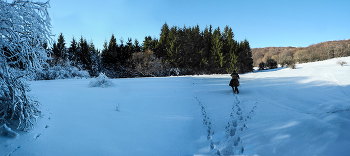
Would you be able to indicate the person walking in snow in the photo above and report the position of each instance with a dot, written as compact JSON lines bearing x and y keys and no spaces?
{"x":234,"y":83}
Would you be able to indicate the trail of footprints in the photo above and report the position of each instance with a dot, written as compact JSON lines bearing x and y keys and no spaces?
{"x":236,"y":124}
{"x":206,"y":121}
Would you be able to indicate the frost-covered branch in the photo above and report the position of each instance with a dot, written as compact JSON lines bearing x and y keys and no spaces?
{"x":15,"y":104}
{"x":24,"y":29}
{"x":101,"y":81}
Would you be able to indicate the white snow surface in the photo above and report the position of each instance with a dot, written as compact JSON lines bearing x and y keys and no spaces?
{"x":303,"y":111}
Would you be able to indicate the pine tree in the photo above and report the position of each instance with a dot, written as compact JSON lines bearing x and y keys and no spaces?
{"x":229,"y":47}
{"x":104,"y":56}
{"x":248,"y":62}
{"x":84,"y":55}
{"x":160,"y":51}
{"x":61,"y":47}
{"x":172,"y":47}
{"x":121,"y":52}
{"x":197,"y":48}
{"x":136,"y":46}
{"x":72,"y":52}
{"x":94,"y":59}
{"x":128,"y":50}
{"x":147,"y":43}
{"x":184,"y":49}
{"x":244,"y":61}
{"x":216,"y":50}
{"x":205,"y":52}
{"x":109,"y":53}
{"x":55,"y":50}
{"x":240,"y":57}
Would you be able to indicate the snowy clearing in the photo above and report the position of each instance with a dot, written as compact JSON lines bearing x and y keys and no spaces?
{"x":303,"y":111}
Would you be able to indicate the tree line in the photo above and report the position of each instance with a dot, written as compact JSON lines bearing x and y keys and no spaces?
{"x":290,"y":55}
{"x":178,"y":51}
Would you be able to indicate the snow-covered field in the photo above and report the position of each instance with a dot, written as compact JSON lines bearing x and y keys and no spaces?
{"x":303,"y":111}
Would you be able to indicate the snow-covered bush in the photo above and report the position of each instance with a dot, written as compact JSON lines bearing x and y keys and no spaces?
{"x":101,"y":81}
{"x":60,"y":72}
{"x":174,"y":72}
{"x":16,"y":107}
{"x":341,"y":62}
{"x":24,"y":28}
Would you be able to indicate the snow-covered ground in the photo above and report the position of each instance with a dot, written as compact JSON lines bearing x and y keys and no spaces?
{"x":303,"y":111}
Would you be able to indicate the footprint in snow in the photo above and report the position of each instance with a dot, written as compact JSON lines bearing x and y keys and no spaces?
{"x":37,"y":136}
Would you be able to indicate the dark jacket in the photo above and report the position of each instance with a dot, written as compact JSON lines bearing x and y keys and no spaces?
{"x":234,"y":81}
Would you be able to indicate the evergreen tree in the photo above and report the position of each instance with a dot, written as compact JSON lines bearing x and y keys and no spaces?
{"x":216,"y":50}
{"x":55,"y":50}
{"x":136,"y":45}
{"x":94,"y":59}
{"x":248,"y":59}
{"x":240,"y":57}
{"x":84,"y":55}
{"x":104,"y":56}
{"x":172,"y":47}
{"x":197,"y":48}
{"x":205,"y":52}
{"x":229,"y":47}
{"x":147,"y":43}
{"x":128,"y":50}
{"x":160,"y":51}
{"x":184,"y":49}
{"x":72,"y":52}
{"x":110,"y":58}
{"x":244,"y":61}
{"x":61,"y":47}
{"x":121,"y":52}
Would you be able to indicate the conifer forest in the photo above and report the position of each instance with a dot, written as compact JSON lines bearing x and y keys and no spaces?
{"x":177,"y":51}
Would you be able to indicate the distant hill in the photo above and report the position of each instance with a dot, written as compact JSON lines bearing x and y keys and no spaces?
{"x":314,"y":52}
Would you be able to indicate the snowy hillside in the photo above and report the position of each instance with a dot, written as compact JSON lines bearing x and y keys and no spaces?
{"x":303,"y":111}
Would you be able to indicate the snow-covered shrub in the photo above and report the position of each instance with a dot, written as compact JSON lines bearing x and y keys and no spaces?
{"x":341,"y":62}
{"x":60,"y":72}
{"x":101,"y":81}
{"x":174,"y":72}
{"x":24,"y":28}
{"x":15,"y":104}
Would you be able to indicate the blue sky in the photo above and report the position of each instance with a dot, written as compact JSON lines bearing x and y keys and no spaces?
{"x":263,"y":23}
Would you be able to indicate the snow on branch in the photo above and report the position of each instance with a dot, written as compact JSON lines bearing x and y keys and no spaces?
{"x":24,"y":30}
{"x":15,"y":104}
{"x":101,"y":81}
{"x":25,"y":27}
